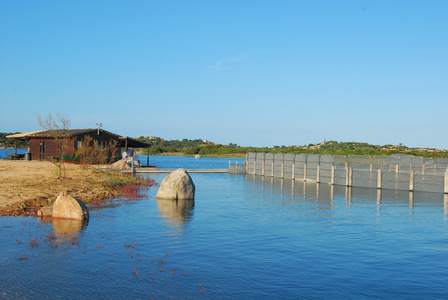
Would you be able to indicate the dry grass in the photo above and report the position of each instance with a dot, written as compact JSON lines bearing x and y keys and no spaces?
{"x":29,"y":180}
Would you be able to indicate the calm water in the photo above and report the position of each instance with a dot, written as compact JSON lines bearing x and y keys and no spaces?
{"x":167,"y":162}
{"x":5,"y":152}
{"x":243,"y":238}
{"x":174,"y":162}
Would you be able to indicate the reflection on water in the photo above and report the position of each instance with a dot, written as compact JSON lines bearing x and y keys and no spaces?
{"x":246,"y":237}
{"x":65,"y":229}
{"x":445,"y":203}
{"x":324,"y":193}
{"x":177,"y":213}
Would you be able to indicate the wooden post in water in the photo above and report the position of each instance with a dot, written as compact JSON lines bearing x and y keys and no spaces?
{"x":347,"y":176}
{"x":423,"y":169}
{"x":333,"y":171}
{"x":272,"y":170}
{"x":283,"y":169}
{"x":263,"y":168}
{"x":255,"y":165}
{"x":350,"y":177}
{"x":293,"y":175}
{"x":304,"y":172}
{"x":318,"y":174}
{"x":446,"y":183}
{"x":411,"y":180}
{"x":397,"y":168}
{"x":380,"y":179}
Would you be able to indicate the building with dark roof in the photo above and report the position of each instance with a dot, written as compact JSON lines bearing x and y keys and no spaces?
{"x":50,"y":144}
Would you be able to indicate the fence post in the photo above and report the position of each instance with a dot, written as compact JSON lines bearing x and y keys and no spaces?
{"x":318,"y":174}
{"x":293,"y":175}
{"x":446,"y":183}
{"x":348,"y":175}
{"x":350,"y":181}
{"x":333,"y":171}
{"x":380,"y":179}
{"x":304,"y":171}
{"x":411,"y":180}
{"x":263,"y":168}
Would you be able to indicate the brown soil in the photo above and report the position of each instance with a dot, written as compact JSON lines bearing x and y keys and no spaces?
{"x":28,"y":185}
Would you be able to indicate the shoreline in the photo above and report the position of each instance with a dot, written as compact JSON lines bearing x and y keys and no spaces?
{"x":28,"y":186}
{"x":236,"y":155}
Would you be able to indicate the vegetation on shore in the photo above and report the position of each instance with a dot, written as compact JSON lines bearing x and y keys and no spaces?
{"x":188,"y":147}
{"x":9,"y":143}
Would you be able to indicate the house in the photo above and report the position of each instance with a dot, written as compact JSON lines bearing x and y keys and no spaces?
{"x":50,"y":144}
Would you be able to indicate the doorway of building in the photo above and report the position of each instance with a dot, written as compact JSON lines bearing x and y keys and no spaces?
{"x":42,"y":150}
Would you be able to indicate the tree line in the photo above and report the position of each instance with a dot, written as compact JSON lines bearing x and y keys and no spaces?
{"x":160,"y":146}
{"x":9,"y":143}
{"x":198,"y":146}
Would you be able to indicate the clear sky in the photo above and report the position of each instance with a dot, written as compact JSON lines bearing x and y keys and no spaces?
{"x":254,"y":73}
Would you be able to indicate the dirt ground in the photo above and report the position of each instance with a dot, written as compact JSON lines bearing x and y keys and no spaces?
{"x":28,"y":181}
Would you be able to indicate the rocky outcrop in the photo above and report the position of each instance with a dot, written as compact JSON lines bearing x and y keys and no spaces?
{"x":177,"y":186}
{"x":68,"y":207}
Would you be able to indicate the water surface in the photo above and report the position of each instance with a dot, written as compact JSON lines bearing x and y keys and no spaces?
{"x":244,"y":237}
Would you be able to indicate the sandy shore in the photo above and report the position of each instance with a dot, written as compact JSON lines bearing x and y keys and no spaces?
{"x":30,"y":180}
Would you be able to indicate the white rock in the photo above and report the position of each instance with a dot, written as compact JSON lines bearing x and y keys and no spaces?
{"x":177,"y":186}
{"x":68,"y":207}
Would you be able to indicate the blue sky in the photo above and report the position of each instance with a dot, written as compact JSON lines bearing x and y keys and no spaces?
{"x":255,"y":73}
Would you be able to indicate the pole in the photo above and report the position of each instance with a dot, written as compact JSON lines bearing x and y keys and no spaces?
{"x":380,"y":179}
{"x":446,"y":183}
{"x":411,"y":180}
{"x":333,"y":171}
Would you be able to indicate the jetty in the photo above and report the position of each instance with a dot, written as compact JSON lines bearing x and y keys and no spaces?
{"x":160,"y":171}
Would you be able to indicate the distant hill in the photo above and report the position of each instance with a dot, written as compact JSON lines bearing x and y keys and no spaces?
{"x":204,"y":147}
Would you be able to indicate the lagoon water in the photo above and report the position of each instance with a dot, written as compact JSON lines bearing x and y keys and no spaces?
{"x":245,"y":237}
{"x":5,"y":152}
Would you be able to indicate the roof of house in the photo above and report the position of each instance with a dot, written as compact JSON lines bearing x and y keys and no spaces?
{"x":60,"y":132}
{"x":70,"y":133}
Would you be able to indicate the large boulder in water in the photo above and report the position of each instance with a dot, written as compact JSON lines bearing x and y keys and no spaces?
{"x":68,"y":207}
{"x":177,"y":186}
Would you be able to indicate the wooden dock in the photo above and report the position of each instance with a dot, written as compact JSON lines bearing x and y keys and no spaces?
{"x":160,"y":171}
